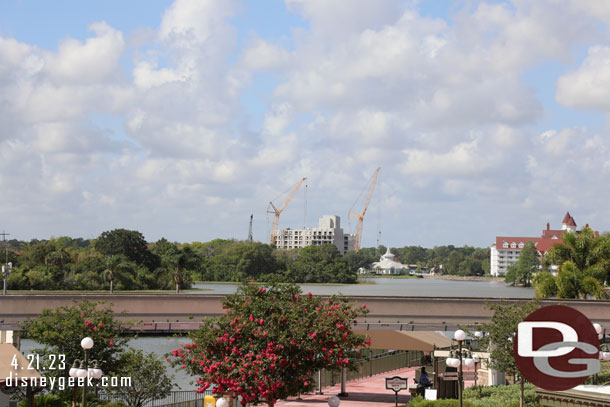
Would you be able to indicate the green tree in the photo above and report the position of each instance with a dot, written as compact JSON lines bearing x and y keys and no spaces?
{"x":361,"y":259}
{"x":113,"y":263}
{"x":584,"y":266}
{"x":501,"y":330}
{"x":177,"y":265}
{"x":319,"y":264}
{"x":243,"y":260}
{"x":129,"y":243}
{"x":271,"y":341}
{"x":521,"y":272}
{"x":149,"y":378}
{"x":61,"y":330}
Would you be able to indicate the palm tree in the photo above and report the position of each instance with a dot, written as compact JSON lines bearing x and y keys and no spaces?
{"x":113,"y":263}
{"x":584,"y":265}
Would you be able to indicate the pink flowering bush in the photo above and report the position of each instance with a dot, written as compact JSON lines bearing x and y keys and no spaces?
{"x":270,"y":342}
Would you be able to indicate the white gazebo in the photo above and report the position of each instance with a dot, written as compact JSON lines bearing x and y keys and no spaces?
{"x":387,"y":265}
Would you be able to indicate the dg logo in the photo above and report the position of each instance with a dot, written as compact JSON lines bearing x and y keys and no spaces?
{"x":556,"y":348}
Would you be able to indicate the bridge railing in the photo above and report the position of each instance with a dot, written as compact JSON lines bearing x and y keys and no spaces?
{"x":377,"y":362}
{"x":176,"y":398}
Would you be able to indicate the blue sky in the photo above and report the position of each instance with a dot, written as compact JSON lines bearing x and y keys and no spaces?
{"x":179,"y":119}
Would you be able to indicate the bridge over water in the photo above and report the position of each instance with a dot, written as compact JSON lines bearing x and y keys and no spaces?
{"x":155,"y":312}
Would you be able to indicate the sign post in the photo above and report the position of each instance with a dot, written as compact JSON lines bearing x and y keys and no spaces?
{"x":397,"y":384}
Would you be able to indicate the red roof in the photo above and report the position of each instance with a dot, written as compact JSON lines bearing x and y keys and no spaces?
{"x":548,"y":239}
{"x":549,"y":233}
{"x":543,"y":245}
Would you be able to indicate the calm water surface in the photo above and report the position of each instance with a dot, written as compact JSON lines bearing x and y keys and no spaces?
{"x":408,"y":287}
{"x":158,"y":345}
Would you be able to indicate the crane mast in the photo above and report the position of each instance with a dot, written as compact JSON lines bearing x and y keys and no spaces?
{"x":277,"y":212}
{"x":250,"y":228}
{"x":360,"y":216}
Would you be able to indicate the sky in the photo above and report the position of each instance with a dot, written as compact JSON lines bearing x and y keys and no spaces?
{"x":181,"y":118}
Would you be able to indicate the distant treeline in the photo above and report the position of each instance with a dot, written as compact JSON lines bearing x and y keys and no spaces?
{"x":462,"y":261}
{"x":122,"y":260}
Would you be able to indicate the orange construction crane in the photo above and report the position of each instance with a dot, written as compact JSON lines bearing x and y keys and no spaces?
{"x":277,"y":212}
{"x":360,"y":216}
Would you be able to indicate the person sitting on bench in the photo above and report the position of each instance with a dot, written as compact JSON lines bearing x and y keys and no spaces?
{"x":424,"y":381}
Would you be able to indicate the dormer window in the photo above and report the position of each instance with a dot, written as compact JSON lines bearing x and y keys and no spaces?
{"x":521,"y":245}
{"x":554,"y":237}
{"x":505,"y":245}
{"x":513,"y":245}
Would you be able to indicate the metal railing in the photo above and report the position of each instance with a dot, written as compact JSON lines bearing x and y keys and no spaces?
{"x":176,"y":398}
{"x":375,"y":363}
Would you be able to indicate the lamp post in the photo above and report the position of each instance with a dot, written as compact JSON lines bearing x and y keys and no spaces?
{"x":604,"y":354}
{"x":83,"y":370}
{"x":463,"y":359}
{"x":334,"y":401}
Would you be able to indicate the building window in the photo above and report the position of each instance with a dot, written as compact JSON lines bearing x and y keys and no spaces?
{"x":505,"y":245}
{"x":521,"y":245}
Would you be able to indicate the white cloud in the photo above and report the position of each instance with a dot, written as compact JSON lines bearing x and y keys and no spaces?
{"x":440,"y":104}
{"x":88,"y":62}
{"x":589,"y":86}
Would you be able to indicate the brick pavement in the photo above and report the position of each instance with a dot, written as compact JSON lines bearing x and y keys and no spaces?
{"x":368,"y":391}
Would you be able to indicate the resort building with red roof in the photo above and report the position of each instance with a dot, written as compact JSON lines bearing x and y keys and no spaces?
{"x":507,"y":249}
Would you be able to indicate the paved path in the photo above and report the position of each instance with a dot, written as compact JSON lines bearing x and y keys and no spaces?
{"x":369,"y":391}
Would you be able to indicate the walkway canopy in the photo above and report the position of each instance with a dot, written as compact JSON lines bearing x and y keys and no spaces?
{"x":406,"y":340}
{"x":9,"y":353}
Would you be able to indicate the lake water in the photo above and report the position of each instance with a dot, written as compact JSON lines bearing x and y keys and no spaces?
{"x":406,"y":287}
{"x":157,"y":344}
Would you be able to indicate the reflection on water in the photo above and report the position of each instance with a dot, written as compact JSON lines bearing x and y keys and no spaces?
{"x":405,"y":287}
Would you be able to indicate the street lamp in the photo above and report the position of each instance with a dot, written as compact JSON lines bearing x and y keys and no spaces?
{"x":81,"y":369}
{"x":463,"y":359}
{"x":334,"y":401}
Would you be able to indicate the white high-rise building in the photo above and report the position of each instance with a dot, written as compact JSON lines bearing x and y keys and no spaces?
{"x":329,"y":231}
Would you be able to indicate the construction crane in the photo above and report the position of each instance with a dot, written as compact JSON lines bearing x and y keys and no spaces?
{"x":250,"y":229}
{"x":360,"y":216}
{"x":277,"y":212}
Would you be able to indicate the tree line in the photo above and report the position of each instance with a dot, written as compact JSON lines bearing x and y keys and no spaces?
{"x":121,"y":259}
{"x":461,"y":261}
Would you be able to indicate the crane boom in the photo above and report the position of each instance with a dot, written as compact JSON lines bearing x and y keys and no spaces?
{"x":277,"y":212}
{"x":360,"y":216}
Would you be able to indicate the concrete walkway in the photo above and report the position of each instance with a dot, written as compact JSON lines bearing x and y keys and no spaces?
{"x":368,"y":391}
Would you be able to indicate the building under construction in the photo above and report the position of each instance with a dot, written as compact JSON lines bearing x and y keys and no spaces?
{"x":329,"y":231}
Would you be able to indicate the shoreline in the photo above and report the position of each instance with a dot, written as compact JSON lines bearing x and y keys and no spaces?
{"x":465,"y":278}
{"x":437,"y":277}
